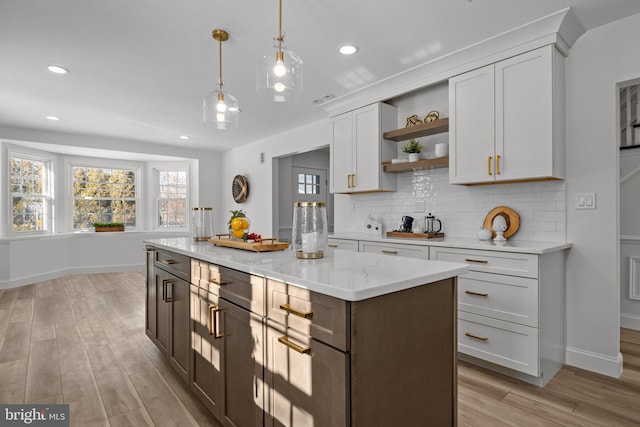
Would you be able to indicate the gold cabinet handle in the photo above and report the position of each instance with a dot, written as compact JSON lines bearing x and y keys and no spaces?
{"x":288,"y":309}
{"x":480,"y":294}
{"x":213,"y":321}
{"x":333,"y":246}
{"x":165,"y":290}
{"x":349,"y":180}
{"x":489,"y":165}
{"x":479,"y":261}
{"x":302,"y":350}
{"x":498,"y":165}
{"x":353,"y":180}
{"x":384,"y":251}
{"x":475,"y":337}
{"x":168,"y":261}
{"x":219,"y":283}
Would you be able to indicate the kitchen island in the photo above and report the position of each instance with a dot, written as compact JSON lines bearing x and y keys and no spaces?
{"x":353,"y":339}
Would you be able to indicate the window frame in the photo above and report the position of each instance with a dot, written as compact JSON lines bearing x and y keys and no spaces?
{"x":156,"y":168}
{"x":49,"y":160}
{"x":68,"y":198}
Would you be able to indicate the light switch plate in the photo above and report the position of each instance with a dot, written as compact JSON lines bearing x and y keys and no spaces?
{"x":585,"y":200}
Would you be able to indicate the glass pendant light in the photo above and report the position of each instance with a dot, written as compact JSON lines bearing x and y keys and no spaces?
{"x":220,"y":109}
{"x":279,"y":75}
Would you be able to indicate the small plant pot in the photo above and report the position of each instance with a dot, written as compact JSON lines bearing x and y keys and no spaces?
{"x":107,"y":229}
{"x":414,"y":157}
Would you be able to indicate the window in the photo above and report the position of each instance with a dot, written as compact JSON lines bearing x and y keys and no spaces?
{"x":172,"y":198}
{"x":103,"y":195}
{"x":308,"y":183}
{"x":30,"y":194}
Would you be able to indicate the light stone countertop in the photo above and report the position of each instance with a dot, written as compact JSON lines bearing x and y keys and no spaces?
{"x":348,"y":275}
{"x":519,"y":246}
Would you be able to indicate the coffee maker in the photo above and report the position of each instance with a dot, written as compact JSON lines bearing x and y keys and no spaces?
{"x":407,"y":224}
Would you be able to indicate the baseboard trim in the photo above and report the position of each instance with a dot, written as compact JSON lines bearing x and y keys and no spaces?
{"x":27,"y":280}
{"x":630,"y":321}
{"x":595,"y":362}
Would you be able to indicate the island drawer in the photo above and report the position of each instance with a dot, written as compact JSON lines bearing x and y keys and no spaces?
{"x":242,"y":289}
{"x":509,"y":263}
{"x":510,"y":298}
{"x":176,"y":264}
{"x":343,"y":244}
{"x":504,"y":343}
{"x":411,"y":251}
{"x":312,"y":314}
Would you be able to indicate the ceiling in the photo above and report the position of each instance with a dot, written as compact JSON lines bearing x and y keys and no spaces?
{"x":139,"y":69}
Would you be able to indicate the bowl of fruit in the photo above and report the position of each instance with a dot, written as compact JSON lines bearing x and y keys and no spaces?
{"x":238,"y":225}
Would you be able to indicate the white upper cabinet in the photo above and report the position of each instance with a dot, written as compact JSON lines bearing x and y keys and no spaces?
{"x":357,"y":149}
{"x":506,"y":120}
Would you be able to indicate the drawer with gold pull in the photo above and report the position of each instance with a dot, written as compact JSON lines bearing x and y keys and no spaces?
{"x":405,"y":250}
{"x":174,"y":263}
{"x":510,"y":263}
{"x":310,"y":313}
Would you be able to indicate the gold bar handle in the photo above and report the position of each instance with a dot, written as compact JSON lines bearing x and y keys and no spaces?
{"x":479,"y":261}
{"x":353,"y":180}
{"x":349,"y":181}
{"x":384,"y":251}
{"x":288,"y":309}
{"x":168,"y":261}
{"x":480,"y":294}
{"x":498,"y":165}
{"x":219,"y":283}
{"x":210,"y":318}
{"x":213,"y":316}
{"x":489,"y":165}
{"x":302,"y":350}
{"x":475,"y":337}
{"x":165,"y":290}
{"x":333,"y":246}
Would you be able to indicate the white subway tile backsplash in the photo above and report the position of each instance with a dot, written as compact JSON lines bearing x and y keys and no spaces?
{"x":541,"y":205}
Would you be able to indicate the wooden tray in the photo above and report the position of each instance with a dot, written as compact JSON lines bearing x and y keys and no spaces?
{"x":265,"y":245}
{"x":415,"y":235}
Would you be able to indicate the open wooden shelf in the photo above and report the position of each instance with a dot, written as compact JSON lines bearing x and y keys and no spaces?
{"x":441,"y":162}
{"x":417,"y":131}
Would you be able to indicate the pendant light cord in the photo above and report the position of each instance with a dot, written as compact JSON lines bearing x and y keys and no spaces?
{"x":220,"y":81}
{"x":280,"y":37}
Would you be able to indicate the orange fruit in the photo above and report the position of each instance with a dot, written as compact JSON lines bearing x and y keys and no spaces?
{"x":236,"y":224}
{"x":245,"y":223}
{"x":238,"y":234}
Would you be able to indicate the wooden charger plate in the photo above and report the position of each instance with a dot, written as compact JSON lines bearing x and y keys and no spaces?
{"x":510,"y":216}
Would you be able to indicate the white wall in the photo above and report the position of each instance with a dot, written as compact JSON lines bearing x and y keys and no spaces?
{"x":245,"y":160}
{"x":601,"y":58}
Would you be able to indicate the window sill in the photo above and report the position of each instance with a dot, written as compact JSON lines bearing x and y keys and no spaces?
{"x":91,"y":233}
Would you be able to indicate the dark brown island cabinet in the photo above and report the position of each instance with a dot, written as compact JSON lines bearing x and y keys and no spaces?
{"x":265,"y":353}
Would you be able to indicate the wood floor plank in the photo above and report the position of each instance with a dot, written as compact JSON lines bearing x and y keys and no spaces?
{"x":22,"y":310}
{"x":15,"y":345}
{"x":43,"y":371}
{"x":13,"y":377}
{"x":43,"y":327}
{"x":134,"y":418}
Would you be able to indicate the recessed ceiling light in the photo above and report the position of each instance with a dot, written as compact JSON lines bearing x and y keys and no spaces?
{"x":348,"y":49}
{"x":54,"y":118}
{"x":324,"y":98}
{"x":184,"y":137}
{"x":57,"y":69}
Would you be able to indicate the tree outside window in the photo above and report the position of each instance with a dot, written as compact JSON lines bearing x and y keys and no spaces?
{"x":172,"y":199}
{"x":103,"y":195}
{"x":29,"y":194}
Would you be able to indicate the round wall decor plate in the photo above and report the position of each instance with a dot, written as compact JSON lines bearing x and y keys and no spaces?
{"x":240,"y":189}
{"x":511,"y":217}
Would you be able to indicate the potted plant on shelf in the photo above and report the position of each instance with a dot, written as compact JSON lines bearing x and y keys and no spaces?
{"x":412,"y":147}
{"x":108,"y":226}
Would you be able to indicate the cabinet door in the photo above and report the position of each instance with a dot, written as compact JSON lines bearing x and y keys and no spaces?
{"x":366,"y":137}
{"x":341,"y":153}
{"x":163,"y":309}
{"x":242,"y":367}
{"x":305,"y":388}
{"x":524,"y":116}
{"x":206,"y":349}
{"x":178,"y":294}
{"x":471,"y":127}
{"x":151,"y":318}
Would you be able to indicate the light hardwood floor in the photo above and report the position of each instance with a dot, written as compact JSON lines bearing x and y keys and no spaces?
{"x":80,"y":340}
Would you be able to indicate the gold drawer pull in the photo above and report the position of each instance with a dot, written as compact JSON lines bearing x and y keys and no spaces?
{"x":165,"y":290}
{"x":497,"y":165}
{"x":302,"y":350}
{"x":489,"y":165}
{"x":480,"y":294}
{"x":479,"y":261}
{"x":168,"y":261}
{"x":213,"y":321}
{"x":475,"y":337}
{"x":288,"y":309}
{"x":219,"y":283}
{"x":333,"y":246}
{"x":384,"y":251}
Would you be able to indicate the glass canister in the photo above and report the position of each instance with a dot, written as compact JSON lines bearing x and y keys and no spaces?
{"x":309,"y":234}
{"x":202,"y":224}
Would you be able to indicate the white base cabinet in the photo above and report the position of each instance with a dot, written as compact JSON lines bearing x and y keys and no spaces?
{"x":506,"y":120}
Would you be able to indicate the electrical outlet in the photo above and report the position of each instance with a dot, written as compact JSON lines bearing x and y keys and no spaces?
{"x":585,"y":200}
